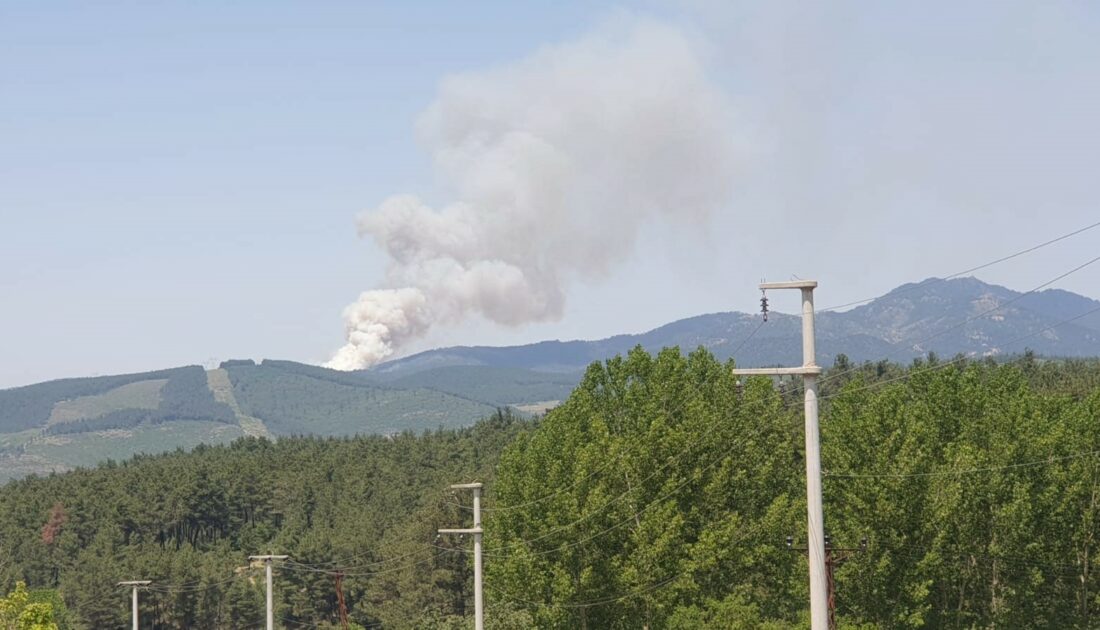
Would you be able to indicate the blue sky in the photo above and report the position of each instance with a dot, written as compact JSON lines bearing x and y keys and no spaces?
{"x":179,"y":182}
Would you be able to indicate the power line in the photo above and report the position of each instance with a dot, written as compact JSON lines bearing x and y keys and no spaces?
{"x":755,"y":330}
{"x":972,"y":269}
{"x":1048,"y":461}
{"x":939,"y":366}
{"x":496,"y":551}
{"x":190,"y":587}
{"x":439,"y":551}
{"x":982,"y":314}
{"x":722,"y":457}
{"x":333,"y":566}
{"x":751,"y":335}
{"x":603,"y":601}
{"x":622,"y":455}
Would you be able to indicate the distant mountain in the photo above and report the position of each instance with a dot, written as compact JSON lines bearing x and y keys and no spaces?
{"x":908,"y":322}
{"x":61,"y":424}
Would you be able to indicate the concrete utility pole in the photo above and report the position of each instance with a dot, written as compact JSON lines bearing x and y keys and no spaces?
{"x":135,"y":584}
{"x":479,"y":609}
{"x":834,"y":557}
{"x":268,"y":560}
{"x":815,"y":527}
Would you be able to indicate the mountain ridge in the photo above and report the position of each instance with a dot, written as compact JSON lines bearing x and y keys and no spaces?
{"x":57,"y":424}
{"x":891,"y":327}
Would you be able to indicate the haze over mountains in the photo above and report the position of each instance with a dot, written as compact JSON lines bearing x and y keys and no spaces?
{"x":74,"y":422}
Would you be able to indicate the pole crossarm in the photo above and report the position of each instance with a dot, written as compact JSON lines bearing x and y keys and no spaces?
{"x":793,"y":284}
{"x":268,"y":560}
{"x":135,"y":585}
{"x":479,"y":607}
{"x":779,"y":371}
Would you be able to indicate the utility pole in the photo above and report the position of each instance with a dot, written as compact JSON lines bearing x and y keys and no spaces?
{"x":135,"y":585}
{"x":339,"y":578}
{"x":268,"y":560}
{"x":834,"y":557}
{"x":479,"y":609}
{"x":815,"y":527}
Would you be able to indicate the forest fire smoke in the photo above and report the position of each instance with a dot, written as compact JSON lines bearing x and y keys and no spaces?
{"x":556,"y":161}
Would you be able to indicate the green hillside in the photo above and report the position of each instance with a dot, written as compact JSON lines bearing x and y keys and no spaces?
{"x":60,"y":425}
{"x":111,"y":401}
{"x":512,"y":386}
{"x":297,"y":401}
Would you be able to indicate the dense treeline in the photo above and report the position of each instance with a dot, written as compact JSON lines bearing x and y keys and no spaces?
{"x":659,"y":495}
{"x":189,"y":521}
{"x":977,"y":487}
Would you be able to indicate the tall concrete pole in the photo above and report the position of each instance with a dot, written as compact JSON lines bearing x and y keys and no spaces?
{"x":479,"y":607}
{"x":135,"y":584}
{"x":815,"y":517}
{"x":268,"y":560}
{"x":270,"y":596}
{"x":815,"y":521}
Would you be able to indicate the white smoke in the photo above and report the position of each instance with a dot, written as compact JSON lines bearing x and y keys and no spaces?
{"x":555,"y":161}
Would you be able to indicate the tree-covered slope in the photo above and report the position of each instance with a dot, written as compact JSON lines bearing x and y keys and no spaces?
{"x":297,"y":401}
{"x":497,"y":385}
{"x":659,"y":494}
{"x":111,"y":401}
{"x":188,"y":521}
{"x":56,"y":425}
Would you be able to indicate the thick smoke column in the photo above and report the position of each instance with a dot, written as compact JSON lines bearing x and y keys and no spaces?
{"x":555,"y":162}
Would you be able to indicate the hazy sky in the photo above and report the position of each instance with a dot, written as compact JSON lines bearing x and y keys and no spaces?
{"x":179,"y":182}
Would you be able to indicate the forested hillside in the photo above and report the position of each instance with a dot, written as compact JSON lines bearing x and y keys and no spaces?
{"x":63,"y":424}
{"x":79,"y":422}
{"x":659,"y":495}
{"x":189,"y":521}
{"x":58,"y":425}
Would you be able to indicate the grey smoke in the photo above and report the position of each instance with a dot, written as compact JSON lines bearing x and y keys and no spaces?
{"x":555,"y":162}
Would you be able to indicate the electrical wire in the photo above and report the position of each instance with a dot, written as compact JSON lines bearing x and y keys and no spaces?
{"x":632,"y":518}
{"x":561,"y":491}
{"x":295,"y":566}
{"x":192,"y":587}
{"x":970,"y":270}
{"x":334,"y":566}
{"x":355,"y":573}
{"x":1049,"y":461}
{"x":611,"y":464}
{"x":291,"y":565}
{"x":604,"y":601}
{"x":978,"y":316}
{"x":751,"y":335}
{"x":939,"y":366}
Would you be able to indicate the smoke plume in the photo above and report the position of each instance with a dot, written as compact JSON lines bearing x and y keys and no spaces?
{"x":554,"y":163}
